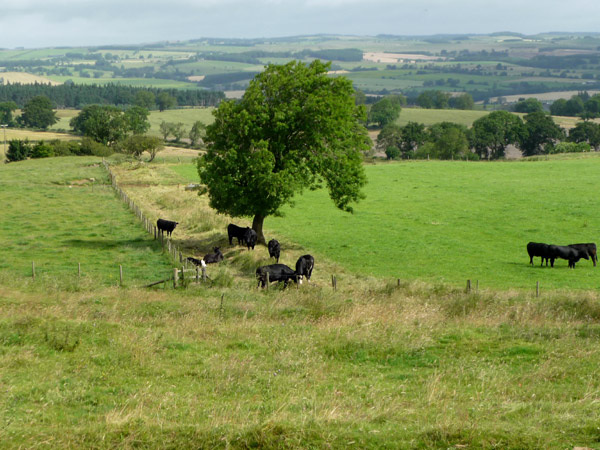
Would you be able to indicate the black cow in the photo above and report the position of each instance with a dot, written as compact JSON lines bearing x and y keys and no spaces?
{"x":565,"y":252}
{"x":215,"y":257}
{"x":276,"y":272}
{"x":250,"y":238}
{"x":166,"y":225}
{"x":590,"y":249}
{"x":274,"y":249}
{"x":538,"y":249}
{"x":304,"y":267}
{"x":233,"y":231}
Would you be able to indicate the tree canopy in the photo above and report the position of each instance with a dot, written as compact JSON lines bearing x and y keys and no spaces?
{"x":540,"y":130}
{"x":38,"y":113}
{"x":491,"y":134}
{"x":295,"y":128}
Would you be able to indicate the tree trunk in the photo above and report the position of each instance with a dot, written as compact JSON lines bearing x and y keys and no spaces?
{"x":257,"y":225}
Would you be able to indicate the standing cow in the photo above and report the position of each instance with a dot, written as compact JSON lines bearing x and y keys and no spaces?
{"x":250,"y":237}
{"x":590,"y":249}
{"x":275,"y":272}
{"x":565,"y":252}
{"x":304,"y":267}
{"x":274,"y":249}
{"x":166,"y":225}
{"x":233,"y":231}
{"x":538,"y":249}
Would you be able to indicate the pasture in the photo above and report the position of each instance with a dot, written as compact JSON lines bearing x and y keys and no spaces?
{"x":55,"y":216}
{"x":449,"y":221}
{"x":223,"y":365}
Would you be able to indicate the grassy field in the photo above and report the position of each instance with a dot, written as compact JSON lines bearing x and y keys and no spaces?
{"x":55,"y":216}
{"x":446,"y":222}
{"x":223,"y":365}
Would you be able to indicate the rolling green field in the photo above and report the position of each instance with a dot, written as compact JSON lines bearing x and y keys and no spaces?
{"x":374,"y":364}
{"x":446,"y":222}
{"x":56,"y":217}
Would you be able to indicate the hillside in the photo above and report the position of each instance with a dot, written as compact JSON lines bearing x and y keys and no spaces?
{"x":86,"y":363}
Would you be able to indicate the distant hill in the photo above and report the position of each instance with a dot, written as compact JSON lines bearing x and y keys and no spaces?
{"x":24,"y":78}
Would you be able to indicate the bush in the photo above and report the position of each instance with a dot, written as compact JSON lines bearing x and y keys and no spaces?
{"x":392,"y":152}
{"x":18,"y":150}
{"x":42,"y":150}
{"x":568,"y":147}
{"x":91,"y":147}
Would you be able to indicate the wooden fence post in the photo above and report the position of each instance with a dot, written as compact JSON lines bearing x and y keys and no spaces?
{"x":468,"y":285}
{"x":79,"y":270}
{"x":204,"y":274}
{"x":175,"y":278}
{"x":183,"y":275}
{"x":537,"y":289}
{"x":398,"y":282}
{"x":121,"y":275}
{"x":33,"y":270}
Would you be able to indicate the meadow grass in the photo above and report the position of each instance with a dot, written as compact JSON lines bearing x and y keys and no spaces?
{"x":59,"y":212}
{"x":449,"y":221}
{"x":374,"y":364}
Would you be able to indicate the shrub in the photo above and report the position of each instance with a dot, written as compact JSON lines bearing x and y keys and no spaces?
{"x":42,"y":150}
{"x":18,"y":150}
{"x":568,"y":147}
{"x":91,"y":147}
{"x":392,"y":152}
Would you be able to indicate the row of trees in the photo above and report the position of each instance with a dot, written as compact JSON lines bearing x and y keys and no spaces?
{"x":488,"y":138}
{"x":71,"y":95}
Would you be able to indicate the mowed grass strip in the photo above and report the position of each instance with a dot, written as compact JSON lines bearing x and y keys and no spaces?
{"x":54,"y":215}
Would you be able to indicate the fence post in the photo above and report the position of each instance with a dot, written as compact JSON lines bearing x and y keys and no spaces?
{"x":468,"y":285}
{"x":398,"y":282}
{"x":537,"y":289}
{"x":154,"y":232}
{"x":221,"y":310}
{"x":175,"y":278}
{"x":120,"y":275}
{"x":33,"y":270}
{"x":79,"y":270}
{"x":182,"y":275}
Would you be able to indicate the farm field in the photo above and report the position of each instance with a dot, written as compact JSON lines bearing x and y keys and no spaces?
{"x":224,"y":365}
{"x":55,"y":216}
{"x":446,"y":222}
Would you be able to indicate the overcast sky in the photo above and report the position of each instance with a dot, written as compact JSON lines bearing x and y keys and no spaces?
{"x":50,"y":23}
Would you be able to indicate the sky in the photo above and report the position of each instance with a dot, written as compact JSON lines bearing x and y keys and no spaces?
{"x":75,"y":23}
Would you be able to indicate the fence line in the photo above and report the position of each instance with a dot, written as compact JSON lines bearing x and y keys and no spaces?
{"x":167,"y":245}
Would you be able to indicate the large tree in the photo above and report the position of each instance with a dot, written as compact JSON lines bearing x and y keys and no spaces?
{"x":386,"y":110}
{"x":295,"y":128}
{"x":491,"y":134}
{"x":38,"y":113}
{"x":539,"y":131}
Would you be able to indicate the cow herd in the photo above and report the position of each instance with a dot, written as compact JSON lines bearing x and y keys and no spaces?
{"x":572,"y":253}
{"x":248,"y":237}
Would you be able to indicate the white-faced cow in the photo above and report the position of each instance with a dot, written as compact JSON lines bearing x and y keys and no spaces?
{"x":166,"y":225}
{"x":196,"y":261}
{"x":214,"y":257}
{"x":275,"y":272}
{"x":304,"y":267}
{"x":274,"y":249}
{"x":590,"y":249}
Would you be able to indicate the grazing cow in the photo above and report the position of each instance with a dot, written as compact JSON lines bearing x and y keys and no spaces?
{"x":565,"y":252}
{"x":590,"y":249}
{"x":214,"y":257}
{"x":538,"y":249}
{"x":166,"y":225}
{"x":250,"y":238}
{"x":233,"y":231}
{"x":276,"y":272}
{"x":196,"y":261}
{"x":304,"y":267}
{"x":274,"y":249}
